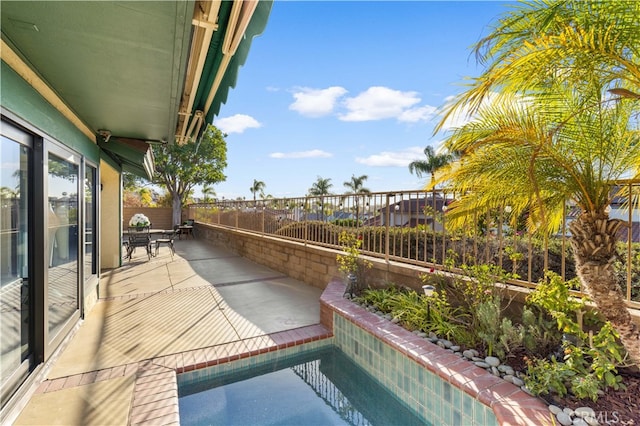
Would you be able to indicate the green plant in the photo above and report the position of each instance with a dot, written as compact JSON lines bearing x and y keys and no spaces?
{"x":350,"y":263}
{"x":515,"y":257}
{"x":590,"y":360}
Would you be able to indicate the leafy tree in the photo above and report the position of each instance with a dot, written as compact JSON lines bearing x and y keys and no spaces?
{"x":552,"y":134}
{"x":433,"y":163}
{"x":257,"y":188}
{"x":180,"y":167}
{"x":131,"y":181}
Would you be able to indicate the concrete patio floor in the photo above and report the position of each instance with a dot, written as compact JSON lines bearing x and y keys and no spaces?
{"x":204,"y":299}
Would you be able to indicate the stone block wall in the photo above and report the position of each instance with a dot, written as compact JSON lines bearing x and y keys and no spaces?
{"x":313,"y":265}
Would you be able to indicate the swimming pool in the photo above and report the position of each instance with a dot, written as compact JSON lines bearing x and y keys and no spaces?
{"x":317,"y":387}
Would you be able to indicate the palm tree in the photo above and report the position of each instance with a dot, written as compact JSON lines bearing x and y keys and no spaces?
{"x":564,"y":56}
{"x":356,"y":186}
{"x":208,"y":192}
{"x":320,"y":188}
{"x":257,"y":187}
{"x":536,"y":154}
{"x":433,"y":163}
{"x":565,"y":40}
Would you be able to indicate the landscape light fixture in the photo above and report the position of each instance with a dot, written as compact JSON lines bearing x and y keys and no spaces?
{"x":428,"y":291}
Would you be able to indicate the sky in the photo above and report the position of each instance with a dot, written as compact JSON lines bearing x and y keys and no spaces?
{"x":333,"y":89}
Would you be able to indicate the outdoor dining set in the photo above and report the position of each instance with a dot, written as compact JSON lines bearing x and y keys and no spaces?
{"x":151,"y":239}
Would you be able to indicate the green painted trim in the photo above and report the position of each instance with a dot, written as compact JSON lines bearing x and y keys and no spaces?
{"x":17,"y":96}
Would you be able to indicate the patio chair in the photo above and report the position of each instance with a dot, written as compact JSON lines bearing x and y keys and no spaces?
{"x":139,"y":237}
{"x":168,"y":240}
{"x":186,"y":229}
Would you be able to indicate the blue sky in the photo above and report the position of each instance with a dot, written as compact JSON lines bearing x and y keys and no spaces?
{"x":335,"y":89}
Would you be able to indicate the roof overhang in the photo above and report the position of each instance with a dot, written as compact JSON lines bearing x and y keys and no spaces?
{"x":139,"y":71}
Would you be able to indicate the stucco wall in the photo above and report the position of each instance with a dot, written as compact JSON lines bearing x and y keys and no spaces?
{"x":110,"y":240}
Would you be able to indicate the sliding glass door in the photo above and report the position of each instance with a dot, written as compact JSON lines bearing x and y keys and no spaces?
{"x":63,"y":294}
{"x":16,"y":310}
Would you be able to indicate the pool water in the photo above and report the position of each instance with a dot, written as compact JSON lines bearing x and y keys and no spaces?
{"x":323,"y":387}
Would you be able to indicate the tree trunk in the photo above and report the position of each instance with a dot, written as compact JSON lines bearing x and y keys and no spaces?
{"x":177,"y":210}
{"x":594,"y":238}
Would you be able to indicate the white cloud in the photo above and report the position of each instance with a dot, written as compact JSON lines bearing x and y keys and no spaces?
{"x":237,"y":123}
{"x":414,"y":115}
{"x":393,"y":158}
{"x":377,"y":103}
{"x":316,"y":102}
{"x":314,"y":153}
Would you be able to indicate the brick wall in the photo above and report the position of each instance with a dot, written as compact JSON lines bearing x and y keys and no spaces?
{"x":160,"y":217}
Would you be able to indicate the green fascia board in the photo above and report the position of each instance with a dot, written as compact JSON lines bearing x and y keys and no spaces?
{"x":23,"y":101}
{"x":214,"y":58}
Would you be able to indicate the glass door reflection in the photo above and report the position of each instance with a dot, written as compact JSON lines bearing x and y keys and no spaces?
{"x":16,"y":313}
{"x":63,"y":242}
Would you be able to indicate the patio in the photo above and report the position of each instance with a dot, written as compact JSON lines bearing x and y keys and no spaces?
{"x":155,"y":317}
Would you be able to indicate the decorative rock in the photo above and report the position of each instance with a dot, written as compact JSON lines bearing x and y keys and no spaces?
{"x":440,"y":343}
{"x":447,"y":344}
{"x":476,"y":359}
{"x":509,"y":378}
{"x":506,"y":369}
{"x":432,"y":335}
{"x":475,"y":353}
{"x":579,"y":422}
{"x":468,"y":354}
{"x":591,"y":421}
{"x":482,"y":364}
{"x":433,"y":339}
{"x":495,"y":371}
{"x":422,"y":334}
{"x":564,"y":419}
{"x":584,"y":412}
{"x":395,"y":320}
{"x":554,"y":409}
{"x":455,"y":348}
{"x":387,"y":316}
{"x":518,"y":382}
{"x":492,"y":361}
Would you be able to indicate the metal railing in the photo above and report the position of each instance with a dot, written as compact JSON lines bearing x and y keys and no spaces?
{"x":411,"y":227}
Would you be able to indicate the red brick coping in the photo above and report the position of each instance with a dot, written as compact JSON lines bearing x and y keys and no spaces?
{"x":155,"y":396}
{"x":509,"y":403}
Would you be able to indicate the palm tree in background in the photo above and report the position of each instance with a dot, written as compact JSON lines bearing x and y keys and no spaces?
{"x":208,"y":193}
{"x":356,"y":186}
{"x":257,"y":188}
{"x":320,"y":188}
{"x":552,"y":135}
{"x":433,"y":163}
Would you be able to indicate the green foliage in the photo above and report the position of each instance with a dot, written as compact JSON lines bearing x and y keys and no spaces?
{"x":180,"y":167}
{"x":351,"y":223}
{"x":590,"y":360}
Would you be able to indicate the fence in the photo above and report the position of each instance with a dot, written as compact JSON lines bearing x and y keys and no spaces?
{"x":411,"y":227}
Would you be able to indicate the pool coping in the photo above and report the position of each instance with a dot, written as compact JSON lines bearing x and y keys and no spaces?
{"x":155,"y":394}
{"x":509,"y":403}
